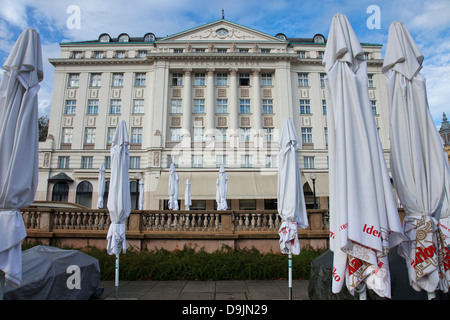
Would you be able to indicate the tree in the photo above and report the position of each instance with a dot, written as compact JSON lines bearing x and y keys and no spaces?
{"x":43,"y":127}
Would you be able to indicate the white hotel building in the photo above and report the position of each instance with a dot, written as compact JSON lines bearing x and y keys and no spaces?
{"x":215,"y":94}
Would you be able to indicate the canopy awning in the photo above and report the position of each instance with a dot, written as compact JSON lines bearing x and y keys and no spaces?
{"x":60,"y":177}
{"x":241,"y":185}
{"x":322,"y":186}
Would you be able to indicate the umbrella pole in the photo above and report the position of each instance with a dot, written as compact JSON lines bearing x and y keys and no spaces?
{"x":2,"y":284}
{"x":290,"y":276}
{"x":431,"y":295}
{"x":362,"y":290}
{"x":117,"y":277}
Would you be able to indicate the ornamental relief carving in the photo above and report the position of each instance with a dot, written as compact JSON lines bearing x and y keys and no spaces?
{"x":222,"y":33}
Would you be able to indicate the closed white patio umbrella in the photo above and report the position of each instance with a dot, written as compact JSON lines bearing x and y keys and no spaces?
{"x":174,"y":181}
{"x":18,"y":149}
{"x":101,"y":186}
{"x":417,"y":163}
{"x":222,"y":189}
{"x":364,"y":221}
{"x":119,"y":197}
{"x":187,"y":195}
{"x":291,"y":200}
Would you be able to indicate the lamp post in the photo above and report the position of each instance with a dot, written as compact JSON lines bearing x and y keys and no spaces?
{"x":313,"y":177}
{"x":138,"y":177}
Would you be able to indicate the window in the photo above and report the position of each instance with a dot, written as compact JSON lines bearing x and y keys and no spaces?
{"x":175,"y":159}
{"x":324,"y":106}
{"x":84,"y":194}
{"x":60,"y":191}
{"x":149,"y":37}
{"x":222,"y":106}
{"x":271,"y":161}
{"x":221,"y":136}
{"x":373,"y":104}
{"x":301,"y":54}
{"x":114,"y":107}
{"x":92,"y":107}
{"x":265,"y":50}
{"x":178,"y":50}
{"x":306,"y":135}
{"x":247,"y":204}
{"x":326,"y":134}
{"x":77,"y":55}
{"x":322,"y":79}
{"x":107,"y":162}
{"x":370,"y":79}
{"x":305,"y":107}
{"x":175,"y":134}
{"x":177,"y":79}
{"x":246,"y":161}
{"x":110,"y":135}
{"x":136,"y":135}
{"x":63,"y":162}
{"x":67,"y":135}
{"x":197,"y":161}
{"x":124,"y":38}
{"x":244,"y":134}
{"x":243,"y":50}
{"x":302,"y":79}
{"x":139,"y":79}
{"x":267,"y":106}
{"x":135,"y":162}
{"x":89,"y":135}
{"x":198,"y":134}
{"x":221,"y":160}
{"x":266,"y":79}
{"x":95,"y":80}
{"x":244,"y":79}
{"x":176,"y":106}
{"x":98,"y":54}
{"x":104,"y":38}
{"x":70,"y":107}
{"x":199,"y":50}
{"x":138,"y":106}
{"x":117,"y":80}
{"x":222,"y":79}
{"x":142,"y":54}
{"x":244,"y":106}
{"x":120,"y":54}
{"x":199,"y":105}
{"x":199,"y":79}
{"x":86,"y":162}
{"x":320,"y":54}
{"x":268,"y":134}
{"x":308,"y":162}
{"x":73,"y":80}
{"x":221,"y":50}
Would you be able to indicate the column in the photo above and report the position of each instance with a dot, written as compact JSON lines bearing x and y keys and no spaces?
{"x":233,"y":105}
{"x":187,"y":102}
{"x":257,"y":118}
{"x":210,"y":103}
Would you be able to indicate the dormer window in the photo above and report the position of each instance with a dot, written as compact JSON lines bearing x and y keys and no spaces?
{"x":124,"y":38}
{"x":281,"y":36}
{"x":318,"y":38}
{"x":149,"y":37}
{"x":104,"y":37}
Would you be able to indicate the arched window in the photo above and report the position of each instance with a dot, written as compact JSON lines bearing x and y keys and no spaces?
{"x":60,"y":191}
{"x":84,"y":194}
{"x":124,"y":37}
{"x":105,"y":195}
{"x":104,"y":37}
{"x":149,"y":37}
{"x":318,"y":38}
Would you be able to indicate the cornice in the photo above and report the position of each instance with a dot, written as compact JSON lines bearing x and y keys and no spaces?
{"x":92,"y":61}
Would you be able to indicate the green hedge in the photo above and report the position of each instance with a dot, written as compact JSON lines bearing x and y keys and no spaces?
{"x":186,"y":264}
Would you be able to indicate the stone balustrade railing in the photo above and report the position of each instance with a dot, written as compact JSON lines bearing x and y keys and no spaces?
{"x":155,"y":228}
{"x":55,"y":219}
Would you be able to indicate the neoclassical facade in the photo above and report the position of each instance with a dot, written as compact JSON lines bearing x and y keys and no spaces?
{"x":215,"y":94}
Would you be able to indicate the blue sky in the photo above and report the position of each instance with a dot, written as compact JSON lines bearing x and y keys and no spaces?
{"x":427,"y":21}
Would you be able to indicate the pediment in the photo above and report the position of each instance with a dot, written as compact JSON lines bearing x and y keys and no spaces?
{"x":222,"y":30}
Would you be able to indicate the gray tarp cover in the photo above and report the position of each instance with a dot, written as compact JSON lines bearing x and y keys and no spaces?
{"x":45,"y":275}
